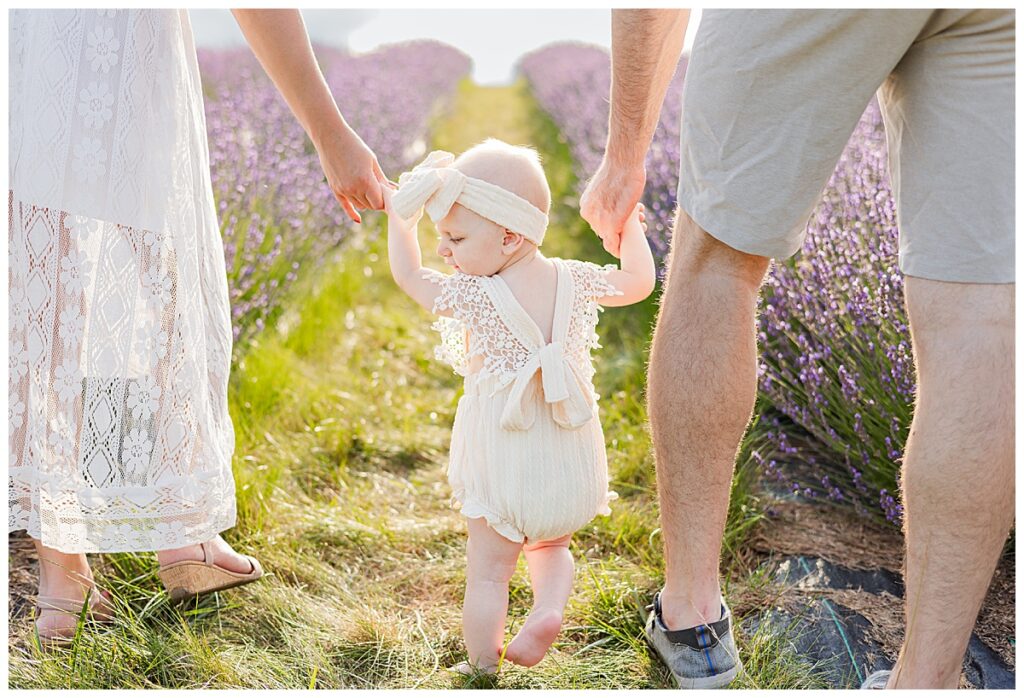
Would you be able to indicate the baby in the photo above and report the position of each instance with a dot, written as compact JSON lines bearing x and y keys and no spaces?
{"x":527,"y":462}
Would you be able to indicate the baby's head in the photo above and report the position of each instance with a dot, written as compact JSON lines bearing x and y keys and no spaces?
{"x":475,"y":245}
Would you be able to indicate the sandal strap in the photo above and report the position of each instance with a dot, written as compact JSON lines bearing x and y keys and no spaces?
{"x":56,"y":603}
{"x":207,"y":553}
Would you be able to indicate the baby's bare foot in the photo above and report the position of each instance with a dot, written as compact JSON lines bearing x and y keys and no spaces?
{"x":467,"y":669}
{"x":532,"y":641}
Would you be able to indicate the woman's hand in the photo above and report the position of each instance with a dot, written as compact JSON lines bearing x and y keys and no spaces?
{"x":279,"y":40}
{"x":352,"y":172}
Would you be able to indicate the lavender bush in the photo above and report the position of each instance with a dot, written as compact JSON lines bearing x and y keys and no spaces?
{"x":836,"y":357}
{"x":276,"y":211}
{"x":836,"y":369}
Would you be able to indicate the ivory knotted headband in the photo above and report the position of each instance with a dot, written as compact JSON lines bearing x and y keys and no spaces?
{"x":436,"y":186}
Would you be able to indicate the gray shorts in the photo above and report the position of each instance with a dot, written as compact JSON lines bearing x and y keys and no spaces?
{"x":772,"y":96}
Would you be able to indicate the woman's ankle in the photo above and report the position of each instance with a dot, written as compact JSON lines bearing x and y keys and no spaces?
{"x":188,"y":552}
{"x":64,"y":575}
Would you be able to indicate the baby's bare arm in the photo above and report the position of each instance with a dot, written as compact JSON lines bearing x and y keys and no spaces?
{"x":636,"y":275}
{"x":405,"y":259}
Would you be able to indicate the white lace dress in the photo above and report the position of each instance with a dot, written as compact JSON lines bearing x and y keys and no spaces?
{"x":120,"y":330}
{"x":527,"y":450}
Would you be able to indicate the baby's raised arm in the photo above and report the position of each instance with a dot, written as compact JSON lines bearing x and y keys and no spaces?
{"x":635,"y":276}
{"x":405,"y":259}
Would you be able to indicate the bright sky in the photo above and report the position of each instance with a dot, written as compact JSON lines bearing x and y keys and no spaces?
{"x":494,"y":39}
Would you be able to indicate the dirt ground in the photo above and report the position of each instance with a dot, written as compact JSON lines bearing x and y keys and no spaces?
{"x":854,"y":542}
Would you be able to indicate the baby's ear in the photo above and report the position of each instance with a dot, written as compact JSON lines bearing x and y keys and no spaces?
{"x":512,"y":241}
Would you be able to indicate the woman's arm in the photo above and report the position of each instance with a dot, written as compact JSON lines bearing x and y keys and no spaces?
{"x":636,"y":274}
{"x":279,"y":40}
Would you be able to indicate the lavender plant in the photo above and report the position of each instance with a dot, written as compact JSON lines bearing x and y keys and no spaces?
{"x":836,"y":359}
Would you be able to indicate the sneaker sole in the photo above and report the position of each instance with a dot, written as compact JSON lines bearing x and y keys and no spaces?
{"x":717,"y":681}
{"x":705,"y":682}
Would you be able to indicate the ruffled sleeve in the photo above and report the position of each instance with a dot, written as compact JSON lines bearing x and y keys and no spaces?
{"x":457,"y":304}
{"x":591,"y":282}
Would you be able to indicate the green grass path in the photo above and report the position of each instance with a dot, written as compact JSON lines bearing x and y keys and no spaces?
{"x":343,"y":420}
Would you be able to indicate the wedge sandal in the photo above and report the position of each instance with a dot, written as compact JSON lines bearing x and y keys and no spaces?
{"x":191,"y":578}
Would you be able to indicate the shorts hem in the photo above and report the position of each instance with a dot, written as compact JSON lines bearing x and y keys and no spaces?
{"x":731,"y":235}
{"x":473,"y":509}
{"x":933,"y":272}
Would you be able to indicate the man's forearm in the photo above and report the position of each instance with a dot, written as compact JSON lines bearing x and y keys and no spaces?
{"x":645,"y":51}
{"x":279,"y":40}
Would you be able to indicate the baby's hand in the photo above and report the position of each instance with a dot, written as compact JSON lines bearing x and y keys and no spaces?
{"x":394,"y":218}
{"x":636,"y":224}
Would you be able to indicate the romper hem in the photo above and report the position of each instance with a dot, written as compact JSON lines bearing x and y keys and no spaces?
{"x":473,"y":509}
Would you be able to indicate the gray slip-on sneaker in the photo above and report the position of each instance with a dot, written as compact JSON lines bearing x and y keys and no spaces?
{"x":701,"y":657}
{"x":877,"y":680}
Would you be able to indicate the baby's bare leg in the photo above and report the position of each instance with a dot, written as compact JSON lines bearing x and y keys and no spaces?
{"x":551,"y":573}
{"x":490,"y":562}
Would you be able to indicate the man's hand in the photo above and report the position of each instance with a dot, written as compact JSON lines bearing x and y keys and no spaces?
{"x":645,"y":50}
{"x":609,"y":200}
{"x":352,"y":172}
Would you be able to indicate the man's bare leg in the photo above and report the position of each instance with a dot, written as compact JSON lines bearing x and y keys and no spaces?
{"x":702,"y":383}
{"x":958,"y":479}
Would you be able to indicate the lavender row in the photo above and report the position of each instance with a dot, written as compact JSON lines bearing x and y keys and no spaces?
{"x":276,"y":211}
{"x":836,"y":367}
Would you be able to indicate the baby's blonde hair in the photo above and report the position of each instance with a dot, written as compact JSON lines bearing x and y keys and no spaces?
{"x":513,"y":167}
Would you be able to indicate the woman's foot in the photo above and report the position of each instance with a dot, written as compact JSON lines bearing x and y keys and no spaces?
{"x":222,"y":554}
{"x":65,"y":580}
{"x":532,"y":641}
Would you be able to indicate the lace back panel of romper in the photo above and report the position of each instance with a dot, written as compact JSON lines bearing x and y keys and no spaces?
{"x":503,"y":353}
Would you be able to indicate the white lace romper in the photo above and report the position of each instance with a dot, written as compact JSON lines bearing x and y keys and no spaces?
{"x":527,"y":450}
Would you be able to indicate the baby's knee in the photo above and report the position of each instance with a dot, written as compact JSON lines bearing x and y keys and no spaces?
{"x":562,"y":542}
{"x":491,"y":571}
{"x":490,"y":565}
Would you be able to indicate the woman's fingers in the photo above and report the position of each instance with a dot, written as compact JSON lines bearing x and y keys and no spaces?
{"x":373,"y":195}
{"x":358,"y":200}
{"x":349,"y":209}
{"x":383,"y":178}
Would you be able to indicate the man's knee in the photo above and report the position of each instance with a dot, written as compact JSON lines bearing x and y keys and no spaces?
{"x":695,"y":251}
{"x":963,"y":337}
{"x":945,"y":308}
